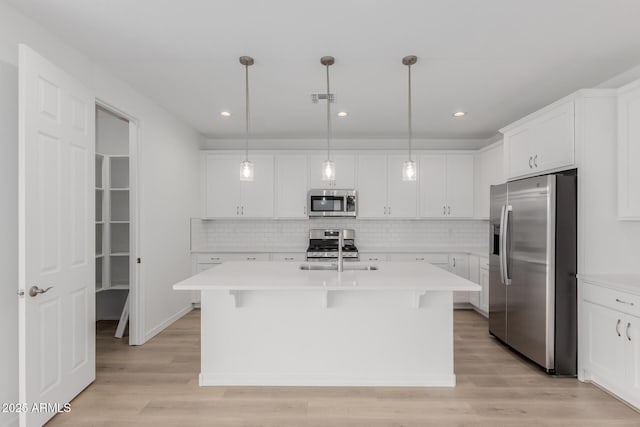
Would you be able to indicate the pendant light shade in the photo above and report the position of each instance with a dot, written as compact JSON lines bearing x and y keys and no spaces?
{"x":328,"y":166}
{"x":409,"y":171}
{"x":246,"y":166}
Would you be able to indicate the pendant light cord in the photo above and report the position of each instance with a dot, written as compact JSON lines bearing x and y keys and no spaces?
{"x":409,"y":120}
{"x":246,"y":112}
{"x":328,"y":117}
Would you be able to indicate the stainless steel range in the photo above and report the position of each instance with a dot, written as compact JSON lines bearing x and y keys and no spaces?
{"x":323,"y":245}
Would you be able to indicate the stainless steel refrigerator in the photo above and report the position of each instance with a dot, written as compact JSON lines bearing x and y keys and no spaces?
{"x":532,"y":269}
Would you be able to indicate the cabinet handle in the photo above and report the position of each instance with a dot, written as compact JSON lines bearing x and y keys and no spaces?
{"x":449,"y":211}
{"x":373,"y":259}
{"x":242,"y":210}
{"x":237,"y":210}
{"x":454,"y":262}
{"x":251,"y":258}
{"x":419,"y":259}
{"x":624,"y":302}
{"x":628,"y":327}
{"x":444,"y":210}
{"x":288,"y":259}
{"x":215,"y":259}
{"x":535,"y":161}
{"x":618,"y":327}
{"x":530,"y":160}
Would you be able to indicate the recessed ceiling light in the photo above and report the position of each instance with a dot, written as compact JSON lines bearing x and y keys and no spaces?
{"x":459,"y":114}
{"x":225,"y":114}
{"x":342,"y":114}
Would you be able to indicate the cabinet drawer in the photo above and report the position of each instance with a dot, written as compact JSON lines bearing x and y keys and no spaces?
{"x":210,"y":258}
{"x":430,"y":258}
{"x":620,"y":301}
{"x":289,"y":256}
{"x":218,"y":258}
{"x":372,"y":257}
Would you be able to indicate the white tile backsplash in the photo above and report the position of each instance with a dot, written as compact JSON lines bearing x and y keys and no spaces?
{"x":371,"y":235}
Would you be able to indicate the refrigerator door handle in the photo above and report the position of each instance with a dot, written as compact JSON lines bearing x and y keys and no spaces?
{"x":505,"y":239}
{"x":501,"y":243}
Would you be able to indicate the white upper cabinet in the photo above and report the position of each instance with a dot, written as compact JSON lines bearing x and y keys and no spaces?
{"x":291,"y":186}
{"x":402,"y":196}
{"x":221,"y":185}
{"x":345,"y":171}
{"x":433,"y":189}
{"x":446,"y":186}
{"x":629,"y":152}
{"x":541,"y":144}
{"x":381,"y":191}
{"x":372,"y":186}
{"x":488,"y":170}
{"x":257,"y":195}
{"x":225,"y":196}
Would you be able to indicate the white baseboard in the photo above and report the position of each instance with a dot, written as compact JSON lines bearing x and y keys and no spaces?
{"x":12,"y":421}
{"x":162,"y":325}
{"x":325,"y":380}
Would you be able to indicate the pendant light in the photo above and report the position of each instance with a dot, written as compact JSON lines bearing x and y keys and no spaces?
{"x":328,"y":166}
{"x":409,"y":172}
{"x":246,"y":166}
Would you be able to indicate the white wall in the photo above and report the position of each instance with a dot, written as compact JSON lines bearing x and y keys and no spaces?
{"x":168,"y":167}
{"x":8,"y":238}
{"x":608,"y":245}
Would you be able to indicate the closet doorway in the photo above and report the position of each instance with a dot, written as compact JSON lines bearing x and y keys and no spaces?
{"x":116,"y":231}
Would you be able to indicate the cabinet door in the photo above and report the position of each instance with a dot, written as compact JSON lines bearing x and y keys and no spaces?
{"x":432,"y":176}
{"x":402,"y":196}
{"x":221,"y":185}
{"x":459,"y":186}
{"x":459,"y":265}
{"x":632,"y":340}
{"x":345,"y":171}
{"x":604,"y":348}
{"x":372,"y":186}
{"x":291,"y":186}
{"x":484,"y":293}
{"x":257,"y":195}
{"x":474,"y":276}
{"x":488,"y":171}
{"x":519,"y":145}
{"x":554,"y":138}
{"x":629,"y":154}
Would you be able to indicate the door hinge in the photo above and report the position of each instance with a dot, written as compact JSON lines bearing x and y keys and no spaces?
{"x":20,"y":292}
{"x":138,"y":260}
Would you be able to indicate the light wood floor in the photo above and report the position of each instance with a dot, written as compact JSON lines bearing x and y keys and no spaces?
{"x":156,"y":385}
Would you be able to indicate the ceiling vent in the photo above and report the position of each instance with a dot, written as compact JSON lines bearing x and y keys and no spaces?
{"x":315,"y":97}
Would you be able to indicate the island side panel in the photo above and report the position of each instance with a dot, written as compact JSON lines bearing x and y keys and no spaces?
{"x":339,"y":338}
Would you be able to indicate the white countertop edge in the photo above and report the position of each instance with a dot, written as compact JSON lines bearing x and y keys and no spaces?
{"x":481,"y":252}
{"x":321,"y":288}
{"x":622,"y":282}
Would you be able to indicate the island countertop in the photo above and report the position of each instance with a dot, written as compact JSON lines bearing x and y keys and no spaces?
{"x":257,"y":275}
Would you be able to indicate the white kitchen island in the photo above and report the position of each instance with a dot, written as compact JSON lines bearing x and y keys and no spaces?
{"x":271,"y":323}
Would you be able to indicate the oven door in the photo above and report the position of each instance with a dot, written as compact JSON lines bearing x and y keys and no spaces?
{"x":327,"y":205}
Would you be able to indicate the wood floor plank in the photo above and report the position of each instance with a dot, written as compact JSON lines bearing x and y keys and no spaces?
{"x":157,"y":385}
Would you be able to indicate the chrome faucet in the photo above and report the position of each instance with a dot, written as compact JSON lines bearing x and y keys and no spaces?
{"x":340,"y":258}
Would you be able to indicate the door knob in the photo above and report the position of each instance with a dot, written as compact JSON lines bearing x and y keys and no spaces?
{"x":35,"y":291}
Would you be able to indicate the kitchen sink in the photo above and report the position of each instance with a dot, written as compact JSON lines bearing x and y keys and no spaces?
{"x":334,"y":267}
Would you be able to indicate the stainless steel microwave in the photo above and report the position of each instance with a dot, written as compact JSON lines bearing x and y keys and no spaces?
{"x":332,"y":203}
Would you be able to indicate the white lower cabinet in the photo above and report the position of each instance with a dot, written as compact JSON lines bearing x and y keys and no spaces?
{"x":610,"y":349}
{"x":459,"y":265}
{"x":479,"y":274}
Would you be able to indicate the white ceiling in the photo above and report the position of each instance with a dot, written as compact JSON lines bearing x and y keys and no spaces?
{"x":497,"y":59}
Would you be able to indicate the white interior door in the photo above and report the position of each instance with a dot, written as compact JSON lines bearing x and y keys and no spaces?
{"x":56,"y":214}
